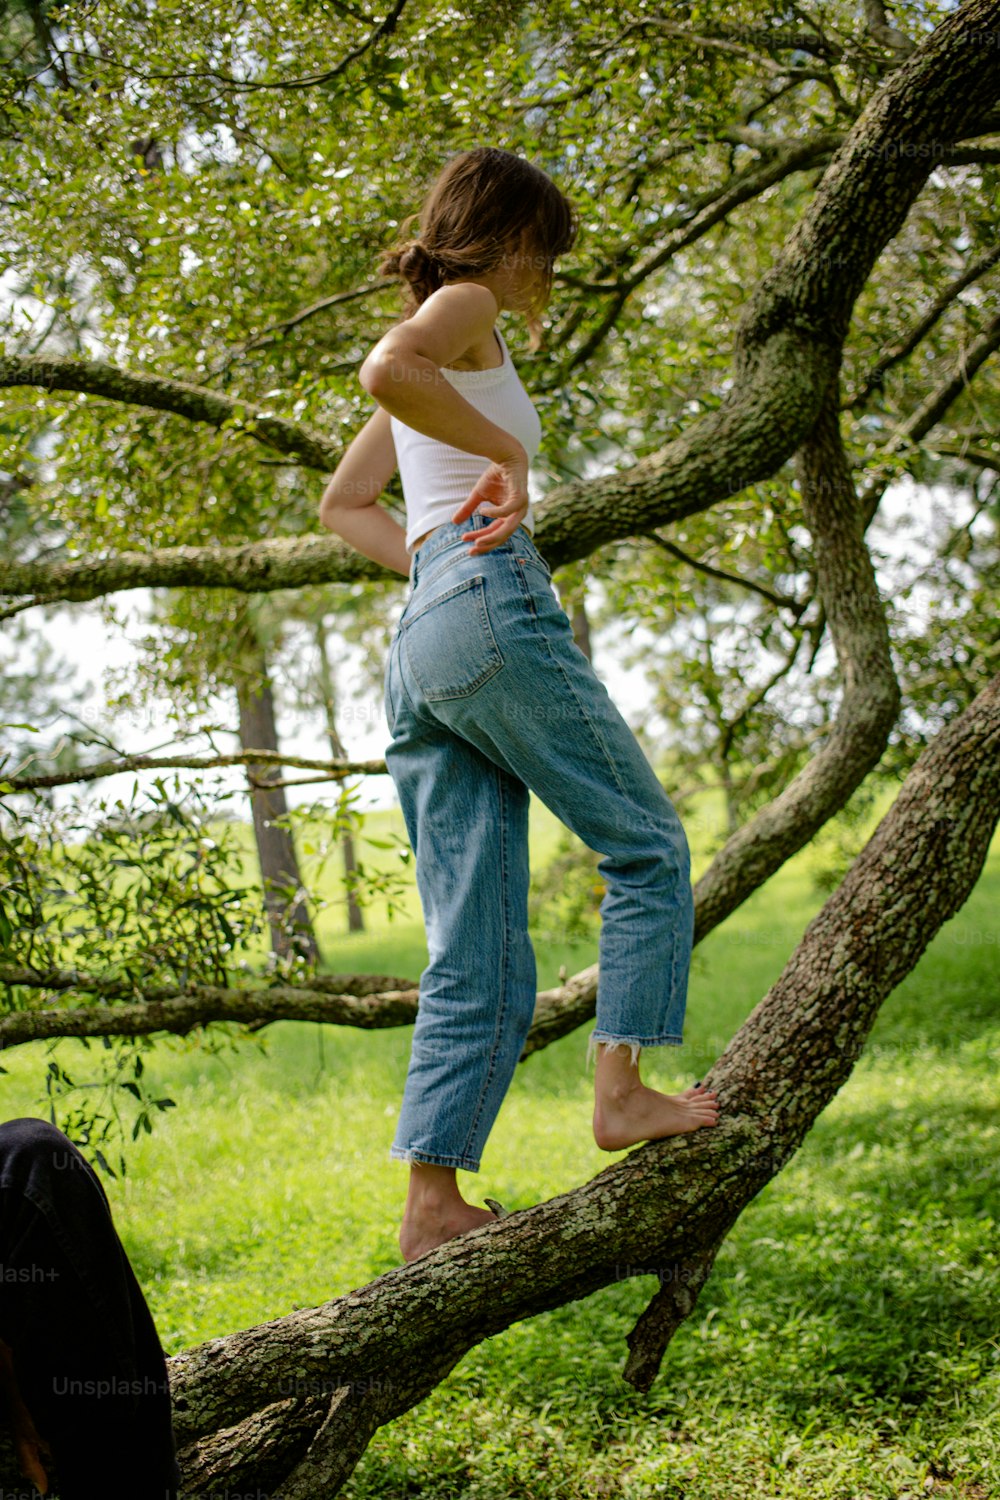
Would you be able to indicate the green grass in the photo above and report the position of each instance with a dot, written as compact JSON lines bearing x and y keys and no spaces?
{"x":845,"y":1345}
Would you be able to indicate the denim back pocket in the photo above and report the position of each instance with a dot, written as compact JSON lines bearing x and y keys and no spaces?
{"x":449,"y":642}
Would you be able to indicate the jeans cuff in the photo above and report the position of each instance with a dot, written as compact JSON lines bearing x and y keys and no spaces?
{"x":634,"y":1043}
{"x":428,"y":1158}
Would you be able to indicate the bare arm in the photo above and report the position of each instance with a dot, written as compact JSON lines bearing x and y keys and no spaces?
{"x":403,"y":373}
{"x":348,"y":505}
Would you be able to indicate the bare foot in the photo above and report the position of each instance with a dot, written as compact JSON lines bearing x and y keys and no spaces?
{"x":627,"y":1112}
{"x":435,"y":1211}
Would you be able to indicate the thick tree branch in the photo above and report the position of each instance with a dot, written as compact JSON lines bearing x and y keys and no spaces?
{"x":356,"y":1413}
{"x":334,"y":770}
{"x":112,"y":986}
{"x":888,"y":36}
{"x":200,"y":1005}
{"x":675,"y":1300}
{"x":368,"y":1001}
{"x":845,"y":582}
{"x":95,"y":377}
{"x":253,"y":567}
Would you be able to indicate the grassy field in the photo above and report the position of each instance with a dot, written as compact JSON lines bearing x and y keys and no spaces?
{"x":847,"y":1343}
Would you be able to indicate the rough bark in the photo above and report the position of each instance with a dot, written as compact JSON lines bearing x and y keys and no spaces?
{"x":672,"y":1303}
{"x":249,"y":567}
{"x":196,"y":403}
{"x":669,"y":1203}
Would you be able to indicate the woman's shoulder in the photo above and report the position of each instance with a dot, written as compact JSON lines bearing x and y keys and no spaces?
{"x":473,"y":294}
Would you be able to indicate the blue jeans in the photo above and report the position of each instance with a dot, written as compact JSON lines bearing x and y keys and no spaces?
{"x":487,"y":695}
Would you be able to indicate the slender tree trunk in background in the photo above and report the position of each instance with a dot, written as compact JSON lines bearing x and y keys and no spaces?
{"x":355,"y":916}
{"x":581,"y":627}
{"x":291,"y":930}
{"x":726,"y":777}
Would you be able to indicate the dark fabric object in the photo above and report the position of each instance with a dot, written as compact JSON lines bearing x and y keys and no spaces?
{"x":86,"y":1354}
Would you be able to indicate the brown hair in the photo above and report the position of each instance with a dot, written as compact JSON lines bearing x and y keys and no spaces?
{"x":484,"y":203}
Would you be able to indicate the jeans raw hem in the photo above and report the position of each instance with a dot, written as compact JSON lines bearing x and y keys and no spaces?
{"x":635,"y":1043}
{"x":427,"y":1158}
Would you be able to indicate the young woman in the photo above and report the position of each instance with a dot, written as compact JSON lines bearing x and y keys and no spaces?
{"x":488,"y":696}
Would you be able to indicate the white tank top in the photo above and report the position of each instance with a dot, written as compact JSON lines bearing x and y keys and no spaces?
{"x":436,"y":477}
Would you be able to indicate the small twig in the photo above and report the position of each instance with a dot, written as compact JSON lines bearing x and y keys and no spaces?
{"x":782,"y":601}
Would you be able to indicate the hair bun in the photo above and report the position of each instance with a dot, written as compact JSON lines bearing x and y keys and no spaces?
{"x":415,"y":259}
{"x":419,"y":269}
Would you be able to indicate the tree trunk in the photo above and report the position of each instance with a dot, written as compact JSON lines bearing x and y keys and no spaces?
{"x":581,"y":627}
{"x":355,"y":916}
{"x":289,"y":921}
